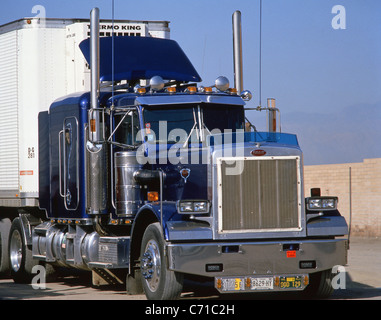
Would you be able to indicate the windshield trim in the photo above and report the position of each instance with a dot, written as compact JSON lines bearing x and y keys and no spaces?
{"x":199,"y":126}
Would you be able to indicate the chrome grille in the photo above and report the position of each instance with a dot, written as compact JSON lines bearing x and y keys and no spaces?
{"x":261,"y":194}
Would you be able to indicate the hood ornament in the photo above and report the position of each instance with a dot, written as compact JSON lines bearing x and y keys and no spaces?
{"x":185,"y":173}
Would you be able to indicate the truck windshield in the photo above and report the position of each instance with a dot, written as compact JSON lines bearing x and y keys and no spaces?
{"x":179,"y":123}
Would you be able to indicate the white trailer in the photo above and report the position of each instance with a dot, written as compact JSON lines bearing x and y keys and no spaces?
{"x":40,"y":61}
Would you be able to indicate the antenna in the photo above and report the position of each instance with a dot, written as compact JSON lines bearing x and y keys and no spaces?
{"x":260,"y":53}
{"x":112,"y":54}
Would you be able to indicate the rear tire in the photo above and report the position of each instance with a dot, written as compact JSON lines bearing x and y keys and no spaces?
{"x":5,"y":227}
{"x":20,"y":255}
{"x":159,"y":283}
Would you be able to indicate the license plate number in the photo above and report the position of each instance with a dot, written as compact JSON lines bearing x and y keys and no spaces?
{"x":293,"y":282}
{"x":233,"y":284}
{"x":265,"y":283}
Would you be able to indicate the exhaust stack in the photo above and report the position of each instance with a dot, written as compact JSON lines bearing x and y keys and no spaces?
{"x":272,"y":110}
{"x":96,"y":153}
{"x":237,"y":51}
{"x":94,"y":128}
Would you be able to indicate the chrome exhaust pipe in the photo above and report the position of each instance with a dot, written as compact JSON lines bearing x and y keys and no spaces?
{"x":237,"y":51}
{"x":96,"y":151}
{"x":272,"y":125}
{"x":94,"y":125}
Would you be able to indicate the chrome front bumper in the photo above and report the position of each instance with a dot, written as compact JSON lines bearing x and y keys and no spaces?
{"x":256,"y":258}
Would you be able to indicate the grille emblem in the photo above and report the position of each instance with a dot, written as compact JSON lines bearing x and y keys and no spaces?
{"x":258,"y":152}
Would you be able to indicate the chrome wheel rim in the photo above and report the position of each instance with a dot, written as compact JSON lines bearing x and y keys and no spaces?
{"x":16,"y":250}
{"x":151,"y":265}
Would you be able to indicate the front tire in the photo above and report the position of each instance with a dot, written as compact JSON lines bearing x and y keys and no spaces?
{"x":159,"y":283}
{"x":20,"y":255}
{"x":320,"y":286}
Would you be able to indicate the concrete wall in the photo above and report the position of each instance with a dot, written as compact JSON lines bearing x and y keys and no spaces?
{"x":334,"y":180}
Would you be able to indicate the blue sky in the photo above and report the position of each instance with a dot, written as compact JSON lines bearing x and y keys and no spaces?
{"x":326,"y":81}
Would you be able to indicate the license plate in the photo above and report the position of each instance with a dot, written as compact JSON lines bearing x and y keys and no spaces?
{"x":290,"y":282}
{"x":232,"y":284}
{"x":264,"y":283}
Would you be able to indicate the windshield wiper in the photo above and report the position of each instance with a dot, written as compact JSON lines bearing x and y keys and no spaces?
{"x":193,"y":128}
{"x":251,"y":125}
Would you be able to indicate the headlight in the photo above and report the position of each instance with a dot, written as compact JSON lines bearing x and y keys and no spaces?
{"x":321,"y":203}
{"x":193,"y":207}
{"x":185,"y":207}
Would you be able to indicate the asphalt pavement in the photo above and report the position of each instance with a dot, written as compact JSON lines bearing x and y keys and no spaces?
{"x":362,"y":281}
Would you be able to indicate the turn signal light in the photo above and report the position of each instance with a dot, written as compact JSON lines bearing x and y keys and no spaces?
{"x":153,"y":196}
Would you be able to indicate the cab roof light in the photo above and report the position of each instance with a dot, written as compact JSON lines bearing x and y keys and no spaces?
{"x":192,"y":89}
{"x":171,"y":90}
{"x":203,"y":89}
{"x":232,"y":91}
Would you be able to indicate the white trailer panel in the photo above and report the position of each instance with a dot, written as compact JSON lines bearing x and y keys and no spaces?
{"x":40,"y":61}
{"x":9,"y":181}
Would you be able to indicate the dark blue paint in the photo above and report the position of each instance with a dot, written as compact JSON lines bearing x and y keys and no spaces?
{"x":43,"y":161}
{"x":142,"y":58}
{"x":75,"y":105}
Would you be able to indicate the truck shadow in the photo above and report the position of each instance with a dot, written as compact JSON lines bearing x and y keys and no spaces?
{"x":72,"y":287}
{"x":64,"y":287}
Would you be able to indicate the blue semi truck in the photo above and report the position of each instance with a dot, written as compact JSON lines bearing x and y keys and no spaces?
{"x":148,"y":178}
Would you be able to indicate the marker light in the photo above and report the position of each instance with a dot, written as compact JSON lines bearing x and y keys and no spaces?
{"x":192,"y":89}
{"x":93,"y":125}
{"x":153,"y":196}
{"x":171,"y":89}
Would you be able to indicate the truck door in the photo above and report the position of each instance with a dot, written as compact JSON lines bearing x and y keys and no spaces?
{"x":125,"y":135}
